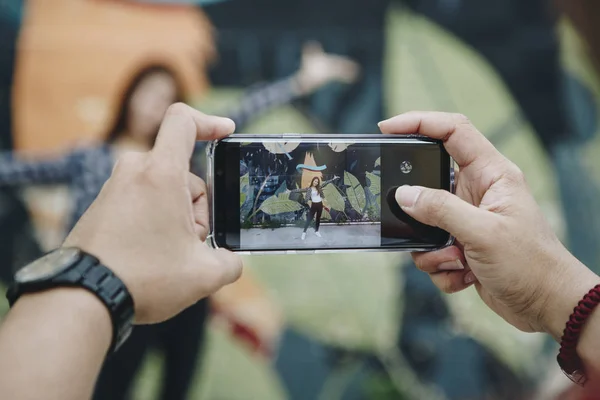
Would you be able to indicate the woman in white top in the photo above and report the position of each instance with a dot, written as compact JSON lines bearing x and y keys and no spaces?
{"x":315,"y":195}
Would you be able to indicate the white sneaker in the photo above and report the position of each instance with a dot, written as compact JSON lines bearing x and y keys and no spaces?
{"x":318,"y":234}
{"x":303,"y":235}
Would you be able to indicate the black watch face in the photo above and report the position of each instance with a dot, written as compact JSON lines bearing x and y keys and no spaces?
{"x":49,"y":265}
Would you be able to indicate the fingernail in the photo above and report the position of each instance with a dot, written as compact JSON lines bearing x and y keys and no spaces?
{"x":451,"y":266}
{"x":383,"y":122}
{"x":470,"y":278}
{"x":407,"y":196}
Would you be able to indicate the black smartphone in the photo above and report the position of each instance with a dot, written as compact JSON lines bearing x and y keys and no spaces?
{"x":294,"y":193}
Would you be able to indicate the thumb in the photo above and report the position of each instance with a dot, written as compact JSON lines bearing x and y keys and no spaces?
{"x":230,"y":265}
{"x":444,"y":210}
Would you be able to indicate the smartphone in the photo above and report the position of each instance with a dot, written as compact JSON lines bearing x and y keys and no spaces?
{"x":294,"y":193}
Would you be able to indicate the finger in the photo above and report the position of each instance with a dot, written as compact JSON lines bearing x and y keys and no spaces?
{"x":198,"y":192}
{"x":451,"y":281}
{"x":461,"y":139}
{"x":447,"y":259}
{"x":440,"y":208}
{"x":230,"y":264}
{"x":182,"y":126}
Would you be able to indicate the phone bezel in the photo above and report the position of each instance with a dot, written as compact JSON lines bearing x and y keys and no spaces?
{"x":367,"y":138}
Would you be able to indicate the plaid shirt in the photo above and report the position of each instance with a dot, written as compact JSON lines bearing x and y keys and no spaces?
{"x":86,"y":170}
{"x":262,"y":98}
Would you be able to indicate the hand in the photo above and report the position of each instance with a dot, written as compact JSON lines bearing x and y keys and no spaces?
{"x":504,"y":245}
{"x":319,"y":68}
{"x":150,"y":221}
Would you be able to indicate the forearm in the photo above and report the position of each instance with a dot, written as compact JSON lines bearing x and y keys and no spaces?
{"x":257,"y":102}
{"x":568,"y":290}
{"x":18,"y":170}
{"x":53,"y":344}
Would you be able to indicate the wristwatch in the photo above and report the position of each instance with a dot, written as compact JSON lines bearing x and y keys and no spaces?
{"x":72,"y":267}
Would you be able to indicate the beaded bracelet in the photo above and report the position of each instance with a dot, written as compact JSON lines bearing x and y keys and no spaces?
{"x":567,"y":358}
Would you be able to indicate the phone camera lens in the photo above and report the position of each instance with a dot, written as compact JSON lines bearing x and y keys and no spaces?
{"x":406,"y":167}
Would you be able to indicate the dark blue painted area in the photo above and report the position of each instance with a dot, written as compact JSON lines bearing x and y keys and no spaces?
{"x":17,"y":245}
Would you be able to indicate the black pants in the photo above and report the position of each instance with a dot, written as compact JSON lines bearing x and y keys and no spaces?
{"x":315,"y":209}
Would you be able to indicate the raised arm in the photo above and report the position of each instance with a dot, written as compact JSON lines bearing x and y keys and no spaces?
{"x":262,"y":99}
{"x":301,"y":190}
{"x":18,"y":170}
{"x":317,"y":69}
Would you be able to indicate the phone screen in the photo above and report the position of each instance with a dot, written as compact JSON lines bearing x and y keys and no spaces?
{"x":323,"y":193}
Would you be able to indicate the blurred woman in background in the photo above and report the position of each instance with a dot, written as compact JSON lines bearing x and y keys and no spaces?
{"x":85,"y":170}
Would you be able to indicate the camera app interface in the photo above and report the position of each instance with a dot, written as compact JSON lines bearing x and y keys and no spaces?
{"x":334,"y":195}
{"x":310,"y":195}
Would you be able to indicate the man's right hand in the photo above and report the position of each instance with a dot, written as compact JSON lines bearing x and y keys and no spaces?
{"x":504,"y":245}
{"x":150,"y":221}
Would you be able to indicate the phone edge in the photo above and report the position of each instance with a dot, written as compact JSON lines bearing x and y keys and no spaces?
{"x":210,"y":180}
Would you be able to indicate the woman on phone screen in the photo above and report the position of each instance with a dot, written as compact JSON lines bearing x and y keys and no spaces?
{"x":315,"y":195}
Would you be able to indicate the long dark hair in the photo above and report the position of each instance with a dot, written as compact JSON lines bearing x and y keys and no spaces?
{"x":318,"y":187}
{"x":120,"y":123}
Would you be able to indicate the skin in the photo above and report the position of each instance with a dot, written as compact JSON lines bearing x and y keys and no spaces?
{"x":319,"y":68}
{"x":53,"y":343}
{"x":505,"y":248}
{"x":148,"y":104}
{"x":58,"y":338}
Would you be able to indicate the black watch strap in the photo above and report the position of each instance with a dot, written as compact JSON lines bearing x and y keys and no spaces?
{"x":101,"y":281}
{"x":90,"y":274}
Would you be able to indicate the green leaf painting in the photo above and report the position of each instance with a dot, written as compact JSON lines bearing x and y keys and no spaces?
{"x":284,"y":196}
{"x":378,"y":162}
{"x":274,"y":205}
{"x":355,"y":192}
{"x":244,"y":181}
{"x":374,"y":183}
{"x":244,"y":189}
{"x":373,"y":205}
{"x":334,"y":198}
{"x":282,"y":189}
{"x":326,"y":216}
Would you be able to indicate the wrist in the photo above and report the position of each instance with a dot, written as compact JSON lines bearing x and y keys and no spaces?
{"x":566,"y":289}
{"x":300,"y":84}
{"x":76,"y":306}
{"x":63,"y":270}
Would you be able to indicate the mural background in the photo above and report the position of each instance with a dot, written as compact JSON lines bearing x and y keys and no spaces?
{"x":336,"y":326}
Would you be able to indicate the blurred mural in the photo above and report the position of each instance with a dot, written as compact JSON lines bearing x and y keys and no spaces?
{"x":82,"y":81}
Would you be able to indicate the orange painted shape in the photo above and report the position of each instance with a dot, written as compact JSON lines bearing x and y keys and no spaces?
{"x":75,"y":57}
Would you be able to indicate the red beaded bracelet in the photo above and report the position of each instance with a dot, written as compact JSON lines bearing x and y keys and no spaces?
{"x":567,"y":357}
